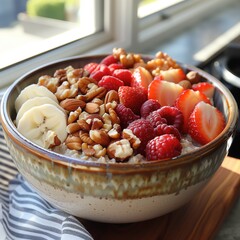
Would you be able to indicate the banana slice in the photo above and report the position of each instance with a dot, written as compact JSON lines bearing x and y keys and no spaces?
{"x":42,"y":124}
{"x":33,"y":102}
{"x":32,"y":91}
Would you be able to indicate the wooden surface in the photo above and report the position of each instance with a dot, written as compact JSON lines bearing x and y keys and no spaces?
{"x":198,"y":220}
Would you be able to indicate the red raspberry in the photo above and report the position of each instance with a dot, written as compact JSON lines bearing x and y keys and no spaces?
{"x":148,"y":107}
{"x":173,"y":116}
{"x":112,"y":67}
{"x":125,"y":115}
{"x":124,"y":74}
{"x":162,"y":147}
{"x":144,"y":130}
{"x":155,"y":119}
{"x":100,"y":71}
{"x":90,"y":67}
{"x":110,"y":59}
{"x":110,"y":83}
{"x":167,"y":129}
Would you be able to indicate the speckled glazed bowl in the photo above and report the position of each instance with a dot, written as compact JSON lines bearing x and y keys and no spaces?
{"x":119,"y":192}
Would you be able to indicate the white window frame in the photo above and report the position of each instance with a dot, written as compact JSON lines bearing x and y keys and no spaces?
{"x":122,"y":28}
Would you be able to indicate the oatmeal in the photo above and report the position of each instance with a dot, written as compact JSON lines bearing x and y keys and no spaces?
{"x":123,"y":109}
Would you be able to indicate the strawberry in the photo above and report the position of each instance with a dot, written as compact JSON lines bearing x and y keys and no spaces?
{"x":173,"y":75}
{"x":163,"y":147}
{"x":141,"y":78}
{"x":205,"y":123}
{"x":144,"y":131}
{"x":204,"y":87}
{"x":186,"y":103}
{"x":90,"y":67}
{"x":124,"y":74}
{"x":164,"y":92}
{"x":132,"y":97}
{"x":110,"y":59}
{"x":110,"y":83}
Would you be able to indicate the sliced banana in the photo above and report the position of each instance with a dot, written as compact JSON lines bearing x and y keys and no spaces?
{"x":31,"y":91}
{"x":33,"y":102}
{"x":42,"y":124}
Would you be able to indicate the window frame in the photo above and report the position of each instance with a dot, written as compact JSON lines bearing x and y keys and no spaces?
{"x":122,"y":28}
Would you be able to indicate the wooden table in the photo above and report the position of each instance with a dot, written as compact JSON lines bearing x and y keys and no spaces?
{"x":199,"y":219}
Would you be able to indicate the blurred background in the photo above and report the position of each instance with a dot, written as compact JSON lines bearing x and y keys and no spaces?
{"x":34,"y":32}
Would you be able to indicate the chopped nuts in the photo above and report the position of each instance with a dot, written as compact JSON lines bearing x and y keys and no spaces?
{"x":99,"y":137}
{"x":120,"y":150}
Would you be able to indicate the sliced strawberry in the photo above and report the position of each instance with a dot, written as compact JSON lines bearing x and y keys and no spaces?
{"x":110,"y":83}
{"x":164,"y":92}
{"x":205,"y":123}
{"x":110,"y":59}
{"x":132,"y":97}
{"x":186,"y":103}
{"x":124,"y":74}
{"x":141,"y":78}
{"x":90,"y":67}
{"x":204,"y":87}
{"x":173,"y":75}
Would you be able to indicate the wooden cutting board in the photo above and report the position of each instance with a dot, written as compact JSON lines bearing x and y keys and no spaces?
{"x":198,"y":220}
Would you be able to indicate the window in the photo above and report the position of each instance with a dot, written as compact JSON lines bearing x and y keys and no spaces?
{"x":96,"y":26}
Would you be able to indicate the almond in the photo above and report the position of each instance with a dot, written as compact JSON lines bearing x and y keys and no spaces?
{"x":72,"y":104}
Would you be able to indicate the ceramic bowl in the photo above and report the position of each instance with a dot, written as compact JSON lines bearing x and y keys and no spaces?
{"x":115,"y":193}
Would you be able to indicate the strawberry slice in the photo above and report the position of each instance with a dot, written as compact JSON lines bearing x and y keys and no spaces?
{"x":173,"y":75}
{"x":205,"y":123}
{"x":132,"y":97}
{"x":186,"y":103}
{"x":141,"y":78}
{"x":164,"y":92}
{"x":204,"y":87}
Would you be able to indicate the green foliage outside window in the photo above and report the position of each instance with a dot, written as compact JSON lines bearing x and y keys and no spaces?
{"x":47,"y":8}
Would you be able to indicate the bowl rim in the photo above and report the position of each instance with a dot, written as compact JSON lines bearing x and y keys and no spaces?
{"x":11,"y":130}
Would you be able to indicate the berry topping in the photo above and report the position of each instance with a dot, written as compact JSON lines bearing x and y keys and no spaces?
{"x":155,"y":119}
{"x":110,"y":83}
{"x":164,"y":92}
{"x":90,"y":67}
{"x":162,"y":147}
{"x":141,"y":78}
{"x":173,"y":75}
{"x":148,"y":107}
{"x":172,"y":115}
{"x":112,"y":67}
{"x":123,"y":74}
{"x":205,"y":123}
{"x":167,"y":129}
{"x":132,"y":97}
{"x":205,"y":88}
{"x":144,"y":130}
{"x":186,"y":103}
{"x":125,"y":115}
{"x":110,"y":59}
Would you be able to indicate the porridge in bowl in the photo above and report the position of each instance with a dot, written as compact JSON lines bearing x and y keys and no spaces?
{"x":120,"y":137}
{"x":123,"y":109}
